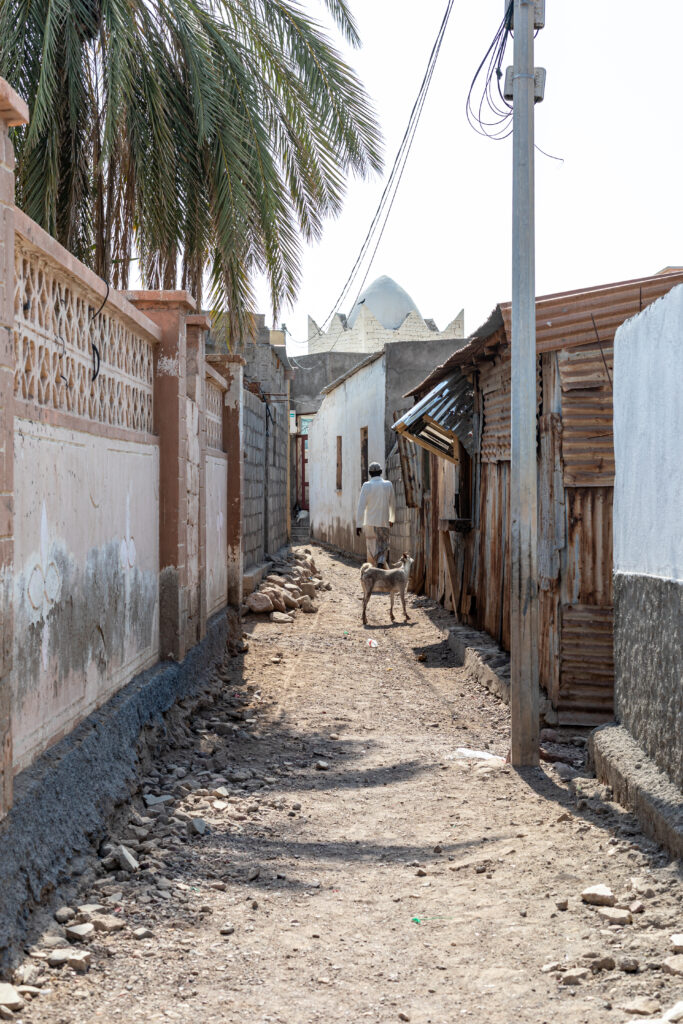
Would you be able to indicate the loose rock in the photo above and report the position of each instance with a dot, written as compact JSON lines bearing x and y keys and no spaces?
{"x":79,"y":932}
{"x":64,"y":914}
{"x":674,"y":964}
{"x":280,"y":617}
{"x":10,"y":997}
{"x":614,"y":916}
{"x":78,"y":960}
{"x":599,"y":896}
{"x":259,"y":603}
{"x":641,"y":1006}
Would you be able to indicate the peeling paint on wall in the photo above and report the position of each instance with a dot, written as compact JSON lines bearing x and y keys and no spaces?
{"x":167,"y":366}
{"x":86,"y":577}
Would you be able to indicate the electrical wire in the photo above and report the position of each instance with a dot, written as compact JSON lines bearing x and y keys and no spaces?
{"x":497,"y":107}
{"x":491,"y":116}
{"x":379,"y":220}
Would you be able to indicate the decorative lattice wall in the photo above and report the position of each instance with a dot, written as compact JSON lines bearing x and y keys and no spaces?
{"x":55,"y":328}
{"x":214,"y":416}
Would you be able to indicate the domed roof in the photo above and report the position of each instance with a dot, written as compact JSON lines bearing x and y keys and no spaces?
{"x":387,"y":301}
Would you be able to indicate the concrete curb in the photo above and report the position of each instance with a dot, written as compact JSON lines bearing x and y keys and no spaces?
{"x":62,"y":802}
{"x":482,"y":658}
{"x":639,"y":785}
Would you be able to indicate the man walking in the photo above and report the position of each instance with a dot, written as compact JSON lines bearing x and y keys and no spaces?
{"x":376,"y":515}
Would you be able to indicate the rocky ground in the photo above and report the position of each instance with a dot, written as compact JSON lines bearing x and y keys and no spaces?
{"x":315,"y":847}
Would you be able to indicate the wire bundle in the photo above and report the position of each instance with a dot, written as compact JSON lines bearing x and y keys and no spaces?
{"x":492,"y":115}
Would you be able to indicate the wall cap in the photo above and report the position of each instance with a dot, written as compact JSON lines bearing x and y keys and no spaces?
{"x":162,"y":299}
{"x":199,"y":320}
{"x":13,"y":110}
{"x":49,"y":247}
{"x":225,"y":357}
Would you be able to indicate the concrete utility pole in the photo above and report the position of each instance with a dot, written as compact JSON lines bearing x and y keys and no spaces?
{"x":523,"y":496}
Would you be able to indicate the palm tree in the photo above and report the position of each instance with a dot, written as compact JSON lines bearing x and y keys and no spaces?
{"x":208,"y":136}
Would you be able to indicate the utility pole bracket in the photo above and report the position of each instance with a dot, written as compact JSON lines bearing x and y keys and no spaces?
{"x":539,"y":84}
{"x":539,"y":14}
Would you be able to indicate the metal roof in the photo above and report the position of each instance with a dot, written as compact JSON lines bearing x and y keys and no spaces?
{"x":564,"y":320}
{"x":441,"y":417}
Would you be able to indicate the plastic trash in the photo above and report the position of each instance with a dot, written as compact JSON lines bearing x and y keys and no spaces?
{"x":372,"y":643}
{"x":478,"y":755}
{"x":438,"y":917}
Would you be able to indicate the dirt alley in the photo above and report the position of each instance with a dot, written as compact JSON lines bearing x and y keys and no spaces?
{"x":354,"y":867}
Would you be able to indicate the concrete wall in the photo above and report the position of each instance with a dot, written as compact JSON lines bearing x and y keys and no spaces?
{"x":357,"y":402}
{"x":648,"y":538}
{"x":406,"y":366}
{"x":216,"y":532}
{"x":313,"y":372}
{"x":86,"y":576}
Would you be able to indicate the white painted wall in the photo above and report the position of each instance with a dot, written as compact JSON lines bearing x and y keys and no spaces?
{"x":358,"y":402}
{"x":86,"y":555}
{"x":648,"y":441}
{"x":216,"y":532}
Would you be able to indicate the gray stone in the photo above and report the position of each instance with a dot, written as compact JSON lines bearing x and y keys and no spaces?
{"x":127,"y":861}
{"x":108,"y":923}
{"x":674,"y":965}
{"x":641,"y":1006}
{"x":259,"y":604}
{"x":228,"y":929}
{"x":143,"y":933}
{"x":307,"y":605}
{"x":78,"y":960}
{"x":64,"y":914}
{"x":628,"y":964}
{"x":196,"y":827}
{"x":575,"y":975}
{"x":280,"y":617}
{"x":614,"y":916}
{"x":79,"y":932}
{"x":677,"y":942}
{"x":10,"y":997}
{"x":599,"y":896}
{"x":155,"y":801}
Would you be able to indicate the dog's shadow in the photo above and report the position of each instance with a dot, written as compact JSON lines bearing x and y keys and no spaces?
{"x":389,"y":625}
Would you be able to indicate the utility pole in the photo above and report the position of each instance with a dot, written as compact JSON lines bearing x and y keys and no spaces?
{"x":523,"y":490}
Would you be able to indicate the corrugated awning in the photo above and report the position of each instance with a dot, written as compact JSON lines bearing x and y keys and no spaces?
{"x":442,"y":417}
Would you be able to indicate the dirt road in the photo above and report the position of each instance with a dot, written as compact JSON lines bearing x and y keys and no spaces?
{"x":353,"y":866}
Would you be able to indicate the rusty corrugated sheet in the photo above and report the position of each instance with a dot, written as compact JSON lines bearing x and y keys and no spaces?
{"x":587,"y":575}
{"x":495,"y":438}
{"x":563,"y":320}
{"x":587,"y":432}
{"x":586,"y":660}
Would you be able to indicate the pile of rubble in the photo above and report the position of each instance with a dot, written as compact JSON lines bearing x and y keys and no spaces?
{"x":290,"y":586}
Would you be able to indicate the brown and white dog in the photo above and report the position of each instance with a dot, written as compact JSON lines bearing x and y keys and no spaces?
{"x":386,"y":581}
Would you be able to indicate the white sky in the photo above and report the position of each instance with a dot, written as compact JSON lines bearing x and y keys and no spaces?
{"x":612,"y":109}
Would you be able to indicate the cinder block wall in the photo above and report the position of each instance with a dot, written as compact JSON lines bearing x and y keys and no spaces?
{"x":254,"y":479}
{"x":278,"y":497}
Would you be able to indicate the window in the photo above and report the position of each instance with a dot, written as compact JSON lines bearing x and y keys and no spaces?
{"x":363,"y":454}
{"x":339,"y":463}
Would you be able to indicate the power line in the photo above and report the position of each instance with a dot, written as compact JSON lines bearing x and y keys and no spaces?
{"x":388,"y":196}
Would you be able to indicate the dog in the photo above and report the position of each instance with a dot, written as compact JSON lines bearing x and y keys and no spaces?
{"x":386,"y":581}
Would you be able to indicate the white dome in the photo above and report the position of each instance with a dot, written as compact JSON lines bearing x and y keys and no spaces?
{"x":387,"y":301}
